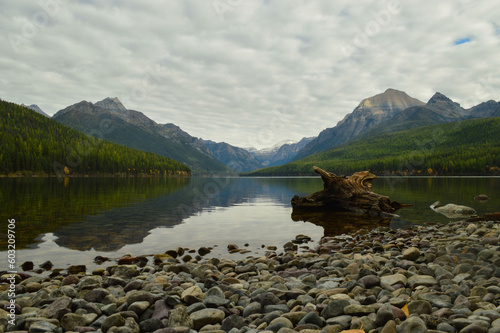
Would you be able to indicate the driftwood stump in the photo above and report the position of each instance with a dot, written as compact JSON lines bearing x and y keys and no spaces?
{"x":342,"y":194}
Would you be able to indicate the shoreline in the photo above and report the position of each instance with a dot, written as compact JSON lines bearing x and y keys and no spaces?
{"x":447,"y":276}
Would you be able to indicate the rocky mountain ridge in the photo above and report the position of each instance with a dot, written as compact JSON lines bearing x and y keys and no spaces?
{"x":36,"y":108}
{"x":389,"y":111}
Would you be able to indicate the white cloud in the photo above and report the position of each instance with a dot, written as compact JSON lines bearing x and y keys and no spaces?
{"x":225,"y":70}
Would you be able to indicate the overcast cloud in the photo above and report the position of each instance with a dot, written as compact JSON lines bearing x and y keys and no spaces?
{"x":247,"y":72}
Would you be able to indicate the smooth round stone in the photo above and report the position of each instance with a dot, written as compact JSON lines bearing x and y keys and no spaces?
{"x":282,"y":320}
{"x":445,"y":327}
{"x":344,"y":321}
{"x":113,"y":320}
{"x":369,"y":281}
{"x":411,"y":253}
{"x":394,"y":279}
{"x":192,"y":295}
{"x":70,"y":320}
{"x":251,"y":309}
{"x":312,"y":318}
{"x":139,"y":307}
{"x":476,"y":327}
{"x":206,"y":317}
{"x":179,"y":317}
{"x":384,"y":314}
{"x":334,"y":308}
{"x":422,"y":280}
{"x":359,"y":310}
{"x":413,"y":325}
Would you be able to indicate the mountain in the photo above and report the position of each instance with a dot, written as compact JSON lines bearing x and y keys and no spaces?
{"x":369,"y":113}
{"x":484,"y":110}
{"x":35,"y":144}
{"x":36,"y":108}
{"x":110,"y":120}
{"x":236,"y":158}
{"x":445,"y":107}
{"x":281,"y":153}
{"x":438,"y":110}
{"x":176,"y":134}
{"x":467,"y":147}
{"x":111,"y":104}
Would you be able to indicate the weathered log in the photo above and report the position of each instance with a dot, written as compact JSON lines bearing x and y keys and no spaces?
{"x":347,"y":194}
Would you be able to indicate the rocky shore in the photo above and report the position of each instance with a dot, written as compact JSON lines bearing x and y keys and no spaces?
{"x":421,"y":279}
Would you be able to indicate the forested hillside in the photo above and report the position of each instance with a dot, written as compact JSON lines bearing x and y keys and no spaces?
{"x":470,"y":147}
{"x":34,"y":144}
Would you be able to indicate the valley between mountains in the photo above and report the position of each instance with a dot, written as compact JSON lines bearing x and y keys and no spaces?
{"x":390,"y":133}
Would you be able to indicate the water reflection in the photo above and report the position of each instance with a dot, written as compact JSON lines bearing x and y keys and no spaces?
{"x":112,"y":216}
{"x":338,"y":223}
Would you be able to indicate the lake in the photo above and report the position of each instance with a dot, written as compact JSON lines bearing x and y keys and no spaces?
{"x":74,"y":220}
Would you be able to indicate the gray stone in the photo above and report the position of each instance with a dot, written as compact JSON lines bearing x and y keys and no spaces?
{"x":113,"y":320}
{"x":96,"y":295}
{"x":422,"y":280}
{"x":445,"y":327}
{"x":69,"y":291}
{"x":137,"y":296}
{"x":283,"y":308}
{"x":394,"y":279}
{"x":109,"y":309}
{"x":42,"y":327}
{"x":215,"y":301}
{"x":251,"y":308}
{"x":369,"y":281}
{"x":295,"y":316}
{"x":195,"y":307}
{"x":461,"y":323}
{"x":206,"y":317}
{"x":476,"y":327}
{"x":266,"y":298}
{"x":161,"y":310}
{"x":139,"y":307}
{"x":440,"y":301}
{"x":232,"y":322}
{"x":359,"y":310}
{"x":70,"y":320}
{"x":132,"y":325}
{"x":494,"y":330}
{"x":384,"y":314}
{"x":284,"y":321}
{"x":413,"y":325}
{"x":150,"y":325}
{"x":57,"y":309}
{"x":389,"y":327}
{"x":180,"y":318}
{"x":411,"y":253}
{"x":344,"y":321}
{"x":192,"y":295}
{"x":312,"y":318}
{"x":419,"y":307}
{"x":334,"y":308}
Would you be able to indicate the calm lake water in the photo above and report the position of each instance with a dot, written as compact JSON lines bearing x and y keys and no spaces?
{"x":73,"y":221}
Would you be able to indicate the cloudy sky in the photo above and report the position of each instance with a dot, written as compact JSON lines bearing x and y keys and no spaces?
{"x":248,"y":72}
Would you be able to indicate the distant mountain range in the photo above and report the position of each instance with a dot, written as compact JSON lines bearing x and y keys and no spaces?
{"x":36,"y":108}
{"x":33,"y":144}
{"x":390,"y":111}
{"x":281,"y":153}
{"x":364,"y":138}
{"x":134,"y":129}
{"x":110,"y":120}
{"x":467,"y":147}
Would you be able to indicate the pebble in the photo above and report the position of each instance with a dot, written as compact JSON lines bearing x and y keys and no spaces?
{"x":448,"y":276}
